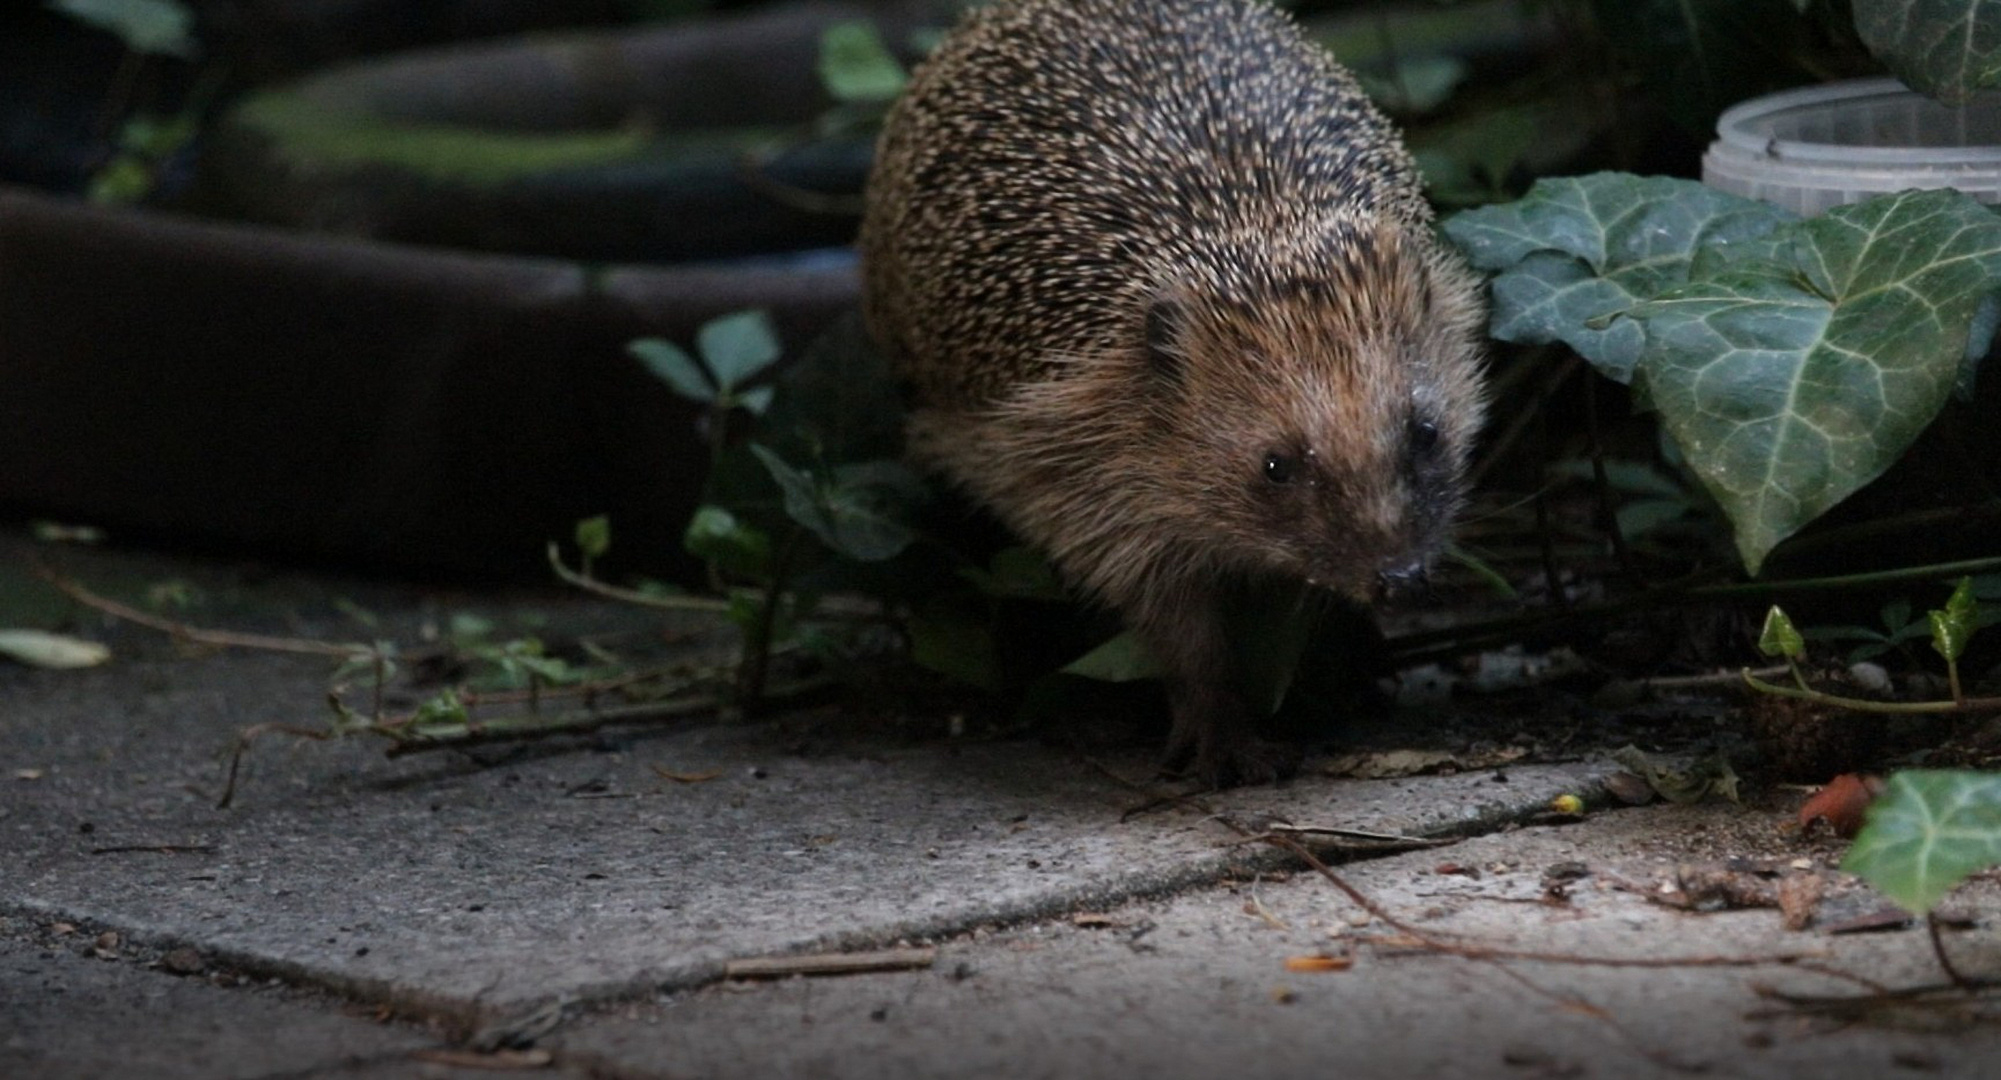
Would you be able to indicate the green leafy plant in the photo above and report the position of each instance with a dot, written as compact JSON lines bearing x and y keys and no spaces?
{"x":1930,"y":828}
{"x":1950,"y":628}
{"x":1946,"y":48}
{"x":856,"y":65}
{"x":147,"y":27}
{"x":144,"y":142}
{"x":781,"y":516}
{"x":1899,"y":629}
{"x":1790,"y":361}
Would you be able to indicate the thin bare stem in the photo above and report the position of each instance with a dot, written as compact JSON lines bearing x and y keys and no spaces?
{"x":1944,"y":961}
{"x":226,"y":639}
{"x":632,"y":596}
{"x":1820,"y":697}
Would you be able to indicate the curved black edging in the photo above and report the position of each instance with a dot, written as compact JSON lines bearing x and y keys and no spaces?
{"x":256,"y":389}
{"x":253,"y":389}
{"x":676,"y":115}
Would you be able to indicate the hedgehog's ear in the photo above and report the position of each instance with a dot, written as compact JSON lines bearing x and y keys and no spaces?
{"x":1166,"y":321}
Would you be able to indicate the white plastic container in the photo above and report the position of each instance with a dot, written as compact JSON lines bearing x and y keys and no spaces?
{"x":1822,"y":146}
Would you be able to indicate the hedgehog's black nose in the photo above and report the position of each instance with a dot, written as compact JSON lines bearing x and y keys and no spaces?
{"x":1402,"y":580}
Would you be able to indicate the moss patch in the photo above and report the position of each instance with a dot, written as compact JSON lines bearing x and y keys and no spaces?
{"x":312,"y":136}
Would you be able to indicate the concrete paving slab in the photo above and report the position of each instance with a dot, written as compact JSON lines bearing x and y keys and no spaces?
{"x":66,"y":1012}
{"x":467,"y":888}
{"x":1197,"y":985}
{"x":586,"y":874}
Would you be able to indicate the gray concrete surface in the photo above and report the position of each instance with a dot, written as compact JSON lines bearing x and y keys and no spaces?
{"x":350,"y":910}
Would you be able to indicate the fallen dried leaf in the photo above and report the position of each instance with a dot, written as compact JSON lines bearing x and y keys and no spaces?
{"x":1629,"y":788}
{"x":1884,"y":918}
{"x":687,"y":777}
{"x":183,"y":961}
{"x":1318,"y":963}
{"x":28,"y":774}
{"x":1709,"y":887}
{"x":1395,"y":763}
{"x":1799,"y":899}
{"x":1842,"y":802}
{"x":39,"y":648}
{"x":497,"y":1061}
{"x":1091,"y":920}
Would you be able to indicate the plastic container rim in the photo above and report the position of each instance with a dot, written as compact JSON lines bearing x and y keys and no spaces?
{"x":1732,"y":130}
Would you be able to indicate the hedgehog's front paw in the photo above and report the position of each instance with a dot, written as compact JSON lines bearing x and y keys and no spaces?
{"x":1247,"y":760}
{"x":1212,"y":742}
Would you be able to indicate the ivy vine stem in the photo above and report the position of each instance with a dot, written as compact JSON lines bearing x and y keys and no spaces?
{"x":1432,"y":644}
{"x":1821,"y":697}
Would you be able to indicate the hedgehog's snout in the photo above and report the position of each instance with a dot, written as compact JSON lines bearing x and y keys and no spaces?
{"x":1402,"y":579}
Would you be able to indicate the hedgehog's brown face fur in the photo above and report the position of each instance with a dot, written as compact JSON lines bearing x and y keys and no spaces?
{"x":1318,"y":426}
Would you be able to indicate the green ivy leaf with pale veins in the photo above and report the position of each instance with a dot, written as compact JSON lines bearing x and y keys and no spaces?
{"x":1954,"y":624}
{"x":855,"y":64}
{"x":1578,"y":250}
{"x":856,"y":510}
{"x":1793,"y":374}
{"x":1945,"y":48}
{"x":1122,"y":658}
{"x":1928,"y":831}
{"x":1780,"y":637}
{"x":738,"y":347}
{"x":155,"y":27}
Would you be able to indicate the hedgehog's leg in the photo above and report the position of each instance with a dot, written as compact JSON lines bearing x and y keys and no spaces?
{"x":1213,"y":736}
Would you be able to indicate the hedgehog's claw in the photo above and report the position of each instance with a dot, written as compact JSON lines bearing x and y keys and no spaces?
{"x":1211,"y":742}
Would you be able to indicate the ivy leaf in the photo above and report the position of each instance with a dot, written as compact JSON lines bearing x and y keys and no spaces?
{"x":839,"y":401}
{"x":1789,"y":384}
{"x":155,"y":27}
{"x":672,"y":365}
{"x":867,"y":504}
{"x":956,"y":644}
{"x":1017,"y":573}
{"x":1953,"y":625}
{"x":443,"y":710}
{"x":738,"y":346}
{"x":1945,"y":48}
{"x":1928,"y":831}
{"x":1780,"y":637}
{"x":855,"y":65}
{"x":1576,"y":251}
{"x":594,"y":536}
{"x":732,"y":544}
{"x":1708,"y":775}
{"x":756,"y":399}
{"x":1418,"y":85}
{"x":1121,"y":659}
{"x":858,"y":513}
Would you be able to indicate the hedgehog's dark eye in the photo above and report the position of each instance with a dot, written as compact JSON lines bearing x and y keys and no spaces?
{"x":1423,"y":435}
{"x":1280,"y":469}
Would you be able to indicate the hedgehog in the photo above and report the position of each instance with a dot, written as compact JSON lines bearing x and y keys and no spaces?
{"x":1165,"y":291}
